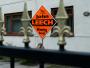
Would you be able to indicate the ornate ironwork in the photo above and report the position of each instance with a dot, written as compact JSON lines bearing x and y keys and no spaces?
{"x":26,"y":29}
{"x":2,"y":30}
{"x":61,"y":18}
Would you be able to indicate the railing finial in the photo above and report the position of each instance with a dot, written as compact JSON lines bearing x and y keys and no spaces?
{"x":2,"y":30}
{"x":63,"y":30}
{"x":26,"y":29}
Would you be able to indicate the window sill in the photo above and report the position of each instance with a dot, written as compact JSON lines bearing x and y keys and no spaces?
{"x":16,"y":34}
{"x":56,"y":35}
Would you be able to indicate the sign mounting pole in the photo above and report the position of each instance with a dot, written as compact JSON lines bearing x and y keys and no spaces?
{"x":42,"y":22}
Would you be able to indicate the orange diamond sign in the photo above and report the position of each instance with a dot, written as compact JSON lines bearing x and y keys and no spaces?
{"x":42,"y":22}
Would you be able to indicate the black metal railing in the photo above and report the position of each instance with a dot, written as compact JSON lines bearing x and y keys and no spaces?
{"x":80,"y":59}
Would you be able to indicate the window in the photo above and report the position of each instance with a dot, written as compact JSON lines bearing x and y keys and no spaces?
{"x":70,"y":21}
{"x":13,"y":23}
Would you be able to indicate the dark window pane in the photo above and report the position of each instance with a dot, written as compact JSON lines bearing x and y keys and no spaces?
{"x":16,"y":24}
{"x":13,"y":23}
{"x":7,"y":18}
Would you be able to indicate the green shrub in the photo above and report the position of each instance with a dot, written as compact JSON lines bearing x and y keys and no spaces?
{"x":28,"y":62}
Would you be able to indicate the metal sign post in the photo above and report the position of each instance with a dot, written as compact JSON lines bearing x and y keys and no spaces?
{"x":40,"y":46}
{"x":42,"y":22}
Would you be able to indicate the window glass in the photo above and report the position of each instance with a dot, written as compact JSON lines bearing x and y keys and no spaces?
{"x":13,"y":23}
{"x":16,"y":25}
{"x":7,"y":22}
